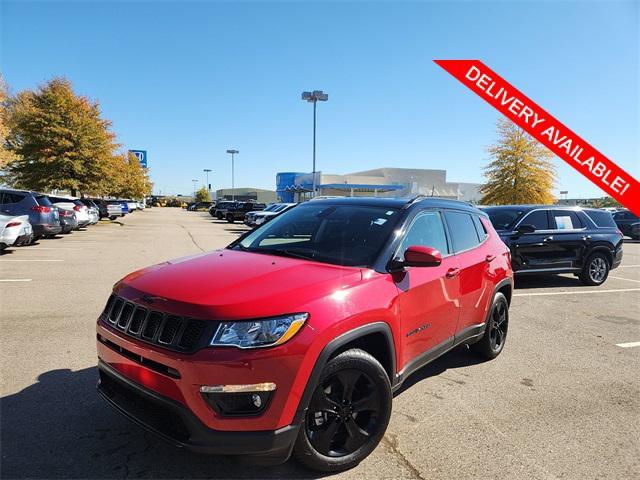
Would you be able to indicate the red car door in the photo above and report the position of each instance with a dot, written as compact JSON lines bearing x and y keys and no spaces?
{"x":473,"y":253}
{"x":427,"y":296}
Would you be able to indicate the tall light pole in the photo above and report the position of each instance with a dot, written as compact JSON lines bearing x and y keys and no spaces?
{"x":233,"y":184}
{"x":206,"y":171}
{"x":314,"y":97}
{"x":194,"y":188}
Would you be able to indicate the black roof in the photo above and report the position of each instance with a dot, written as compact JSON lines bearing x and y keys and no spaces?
{"x":526,"y":208}
{"x":399,"y":203}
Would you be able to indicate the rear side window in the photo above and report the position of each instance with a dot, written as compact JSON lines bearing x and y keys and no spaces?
{"x":11,"y":197}
{"x":43,"y":201}
{"x":565,"y":220}
{"x":480,"y":230}
{"x":426,"y":230}
{"x":538,"y":219}
{"x":601,"y":218}
{"x":462,"y":229}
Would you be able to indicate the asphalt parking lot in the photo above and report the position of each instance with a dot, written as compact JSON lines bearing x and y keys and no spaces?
{"x":562,"y":401}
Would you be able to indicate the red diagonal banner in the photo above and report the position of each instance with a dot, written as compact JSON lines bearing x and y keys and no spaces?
{"x":564,"y":143}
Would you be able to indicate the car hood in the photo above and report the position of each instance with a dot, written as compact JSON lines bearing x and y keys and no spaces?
{"x":233,"y":284}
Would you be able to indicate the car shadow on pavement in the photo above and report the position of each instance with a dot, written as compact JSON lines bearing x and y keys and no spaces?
{"x":60,"y":428}
{"x":461,"y":356}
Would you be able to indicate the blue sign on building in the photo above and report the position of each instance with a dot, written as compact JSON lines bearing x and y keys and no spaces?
{"x":142,"y":157}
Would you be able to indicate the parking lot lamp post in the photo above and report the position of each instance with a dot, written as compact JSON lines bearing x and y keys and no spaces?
{"x":233,"y":193}
{"x":314,"y":97}
{"x":206,"y":171}
{"x":194,"y":188}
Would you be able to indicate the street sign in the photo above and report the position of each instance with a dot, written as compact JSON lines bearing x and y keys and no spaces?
{"x":142,"y":157}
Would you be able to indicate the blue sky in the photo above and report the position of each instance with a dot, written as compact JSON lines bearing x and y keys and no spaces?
{"x":187,"y":80}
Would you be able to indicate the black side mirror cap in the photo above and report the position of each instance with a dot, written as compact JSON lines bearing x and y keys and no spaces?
{"x":522,"y":229}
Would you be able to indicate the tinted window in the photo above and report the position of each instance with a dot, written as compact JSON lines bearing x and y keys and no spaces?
{"x":565,"y":220}
{"x":538,"y":219}
{"x":462,"y":230}
{"x":43,"y":201}
{"x":427,"y":230}
{"x":503,"y":218}
{"x":601,"y":218}
{"x":12,"y":197}
{"x":342,"y":235}
{"x":480,"y":229}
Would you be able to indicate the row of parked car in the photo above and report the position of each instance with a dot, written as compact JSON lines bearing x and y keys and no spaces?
{"x":26,"y":216}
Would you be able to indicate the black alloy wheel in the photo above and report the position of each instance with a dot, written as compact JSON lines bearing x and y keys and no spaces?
{"x":347,"y":415}
{"x":495,"y":334}
{"x":345,"y":412}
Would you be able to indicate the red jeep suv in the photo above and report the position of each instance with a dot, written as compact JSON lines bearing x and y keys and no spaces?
{"x":295,"y":336}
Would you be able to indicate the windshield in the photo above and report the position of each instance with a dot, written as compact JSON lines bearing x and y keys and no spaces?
{"x":503,"y":218}
{"x":342,"y":235}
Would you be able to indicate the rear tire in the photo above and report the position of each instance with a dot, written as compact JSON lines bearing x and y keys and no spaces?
{"x":219,"y":215}
{"x":230,"y":218}
{"x":348,"y":413}
{"x":595,"y":270}
{"x":495,"y":334}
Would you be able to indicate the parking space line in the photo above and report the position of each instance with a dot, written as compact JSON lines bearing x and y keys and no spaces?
{"x":628,"y":266}
{"x":622,"y":278}
{"x":31,"y":260}
{"x":15,"y":279}
{"x":628,"y":344}
{"x":577,"y":293}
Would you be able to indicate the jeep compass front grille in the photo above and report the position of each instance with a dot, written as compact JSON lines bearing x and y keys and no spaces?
{"x":165,"y":330}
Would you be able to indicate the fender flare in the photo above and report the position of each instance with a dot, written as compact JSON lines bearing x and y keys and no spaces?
{"x":332,"y":347}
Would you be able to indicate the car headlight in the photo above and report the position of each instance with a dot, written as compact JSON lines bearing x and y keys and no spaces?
{"x":267,"y":332}
{"x":259,"y":220}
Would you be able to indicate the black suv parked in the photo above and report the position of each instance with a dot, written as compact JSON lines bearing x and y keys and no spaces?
{"x":625,"y":220}
{"x":551,"y":239}
{"x":219,"y":210}
{"x":238,"y":210}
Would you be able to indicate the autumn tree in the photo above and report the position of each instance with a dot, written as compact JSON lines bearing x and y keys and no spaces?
{"x":521,"y":170}
{"x":6,"y":155}
{"x":60,"y":138}
{"x":203,"y":195}
{"x":125,"y":178}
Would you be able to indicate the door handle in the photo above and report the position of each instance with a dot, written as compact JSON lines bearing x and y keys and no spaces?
{"x":489,"y":258}
{"x":452,"y":272}
{"x":586,"y":238}
{"x":547,"y":239}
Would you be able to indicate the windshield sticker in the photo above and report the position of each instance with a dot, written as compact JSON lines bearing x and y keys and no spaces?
{"x":390,"y":212}
{"x":379,"y":221}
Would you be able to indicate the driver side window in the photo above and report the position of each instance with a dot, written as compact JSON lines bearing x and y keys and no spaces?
{"x":427,"y":230}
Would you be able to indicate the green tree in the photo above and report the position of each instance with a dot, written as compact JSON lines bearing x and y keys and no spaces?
{"x":6,"y":155}
{"x":203,"y":195}
{"x":60,"y":139}
{"x":521,"y":169}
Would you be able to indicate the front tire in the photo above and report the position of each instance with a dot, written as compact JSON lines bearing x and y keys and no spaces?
{"x":495,"y":334}
{"x":595,"y":270}
{"x":348,"y":413}
{"x":230,"y":218}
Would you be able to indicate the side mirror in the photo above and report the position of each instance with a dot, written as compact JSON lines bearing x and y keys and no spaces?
{"x":522,"y":229}
{"x":420,"y":256}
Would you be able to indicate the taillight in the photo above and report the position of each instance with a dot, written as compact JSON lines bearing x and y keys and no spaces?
{"x":13,"y":224}
{"x":77,"y":208}
{"x":41,"y":209}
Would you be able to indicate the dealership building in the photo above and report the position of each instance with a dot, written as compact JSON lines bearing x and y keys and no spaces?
{"x":380,"y":182}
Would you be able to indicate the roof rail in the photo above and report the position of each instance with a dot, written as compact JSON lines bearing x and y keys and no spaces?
{"x":414,"y":199}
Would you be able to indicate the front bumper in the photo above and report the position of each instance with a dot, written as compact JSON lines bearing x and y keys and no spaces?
{"x":176,"y":424}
